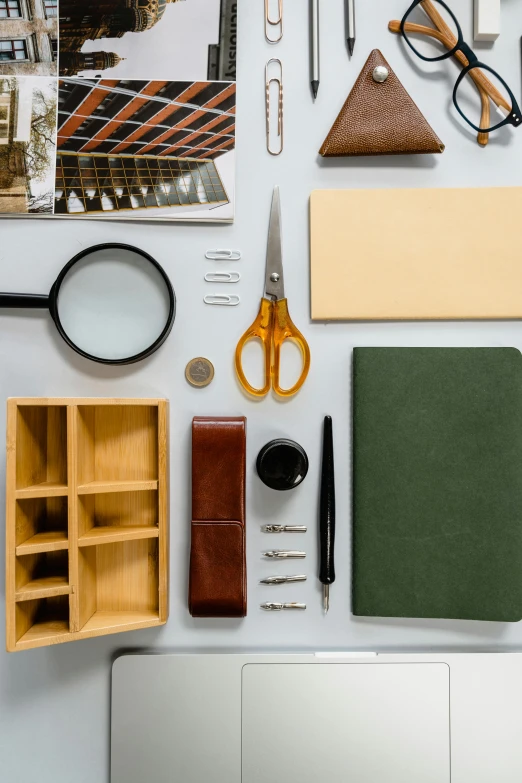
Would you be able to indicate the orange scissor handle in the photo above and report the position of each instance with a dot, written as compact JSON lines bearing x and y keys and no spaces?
{"x":285,"y":329}
{"x":262,"y":330}
{"x":273,"y":326}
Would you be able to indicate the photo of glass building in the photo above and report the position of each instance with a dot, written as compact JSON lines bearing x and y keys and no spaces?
{"x":142,"y":145}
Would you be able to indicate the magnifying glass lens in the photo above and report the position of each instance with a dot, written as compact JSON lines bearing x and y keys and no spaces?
{"x":113,"y":304}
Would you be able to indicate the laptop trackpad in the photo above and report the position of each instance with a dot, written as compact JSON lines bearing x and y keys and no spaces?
{"x":366,"y":723}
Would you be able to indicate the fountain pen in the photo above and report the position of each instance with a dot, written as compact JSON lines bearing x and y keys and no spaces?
{"x":327,"y":514}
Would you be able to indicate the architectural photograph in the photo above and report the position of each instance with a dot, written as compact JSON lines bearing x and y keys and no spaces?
{"x":137,"y":39}
{"x":145,"y":148}
{"x":27,"y":144}
{"x":28,"y":37}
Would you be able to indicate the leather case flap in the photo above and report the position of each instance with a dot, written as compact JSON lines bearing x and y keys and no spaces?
{"x":217,"y":570}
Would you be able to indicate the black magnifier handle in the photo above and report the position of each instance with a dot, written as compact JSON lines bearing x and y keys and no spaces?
{"x":327,"y":513}
{"x":40,"y":301}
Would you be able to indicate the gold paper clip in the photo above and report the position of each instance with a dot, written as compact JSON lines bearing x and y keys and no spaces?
{"x":271,"y":24}
{"x":279,"y":82}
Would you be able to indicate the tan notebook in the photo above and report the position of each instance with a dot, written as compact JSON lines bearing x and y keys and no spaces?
{"x":416,"y":254}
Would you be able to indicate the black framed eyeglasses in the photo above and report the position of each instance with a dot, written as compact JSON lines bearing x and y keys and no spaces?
{"x":478,"y":84}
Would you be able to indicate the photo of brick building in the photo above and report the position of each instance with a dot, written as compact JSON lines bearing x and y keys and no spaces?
{"x":28,"y":37}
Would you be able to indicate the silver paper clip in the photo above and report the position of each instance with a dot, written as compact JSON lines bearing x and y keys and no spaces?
{"x":278,"y":80}
{"x":284,"y":554}
{"x":280,"y":580}
{"x":222,"y":277}
{"x":216,"y":299}
{"x":277,"y":607}
{"x":223,"y":254}
{"x":283,"y":529}
{"x":272,"y":23}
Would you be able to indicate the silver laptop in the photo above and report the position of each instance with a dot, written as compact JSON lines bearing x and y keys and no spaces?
{"x":366,"y":718}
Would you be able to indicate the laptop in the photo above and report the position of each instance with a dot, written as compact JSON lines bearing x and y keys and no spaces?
{"x":306,"y":718}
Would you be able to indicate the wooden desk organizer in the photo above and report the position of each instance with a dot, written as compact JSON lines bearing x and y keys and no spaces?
{"x":86,"y":518}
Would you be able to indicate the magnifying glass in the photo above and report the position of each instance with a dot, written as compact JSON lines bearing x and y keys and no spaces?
{"x":111,"y":303}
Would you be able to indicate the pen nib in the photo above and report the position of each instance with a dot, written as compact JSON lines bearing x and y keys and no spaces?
{"x":315,"y":89}
{"x":326,"y":598}
{"x":351,"y":45}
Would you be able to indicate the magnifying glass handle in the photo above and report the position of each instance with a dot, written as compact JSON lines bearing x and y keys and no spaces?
{"x":24,"y":300}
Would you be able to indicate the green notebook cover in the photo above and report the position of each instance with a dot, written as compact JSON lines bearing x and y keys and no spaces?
{"x":437,"y":483}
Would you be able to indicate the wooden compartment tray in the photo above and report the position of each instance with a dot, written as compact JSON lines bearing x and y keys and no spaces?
{"x":86,"y":518}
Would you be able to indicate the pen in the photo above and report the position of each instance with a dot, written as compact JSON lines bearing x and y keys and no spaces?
{"x":350,"y":25}
{"x":327,"y":514}
{"x":315,"y":47}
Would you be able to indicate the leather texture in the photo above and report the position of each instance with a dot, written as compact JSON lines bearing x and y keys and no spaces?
{"x":217,"y":582}
{"x":437,"y":483}
{"x":380,"y":119}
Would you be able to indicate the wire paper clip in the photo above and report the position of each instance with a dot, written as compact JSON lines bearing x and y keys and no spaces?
{"x":271,"y":24}
{"x":222,"y":277}
{"x":229,"y":301}
{"x":223,"y":255}
{"x":278,"y":80}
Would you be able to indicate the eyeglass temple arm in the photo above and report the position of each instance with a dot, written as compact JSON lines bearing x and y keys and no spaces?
{"x":440,"y":24}
{"x":481,"y":80}
{"x":485,"y":88}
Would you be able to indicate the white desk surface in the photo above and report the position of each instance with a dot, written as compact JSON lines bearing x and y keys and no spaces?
{"x":54,"y":702}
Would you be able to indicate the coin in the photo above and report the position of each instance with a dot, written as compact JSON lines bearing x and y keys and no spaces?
{"x":199,"y":372}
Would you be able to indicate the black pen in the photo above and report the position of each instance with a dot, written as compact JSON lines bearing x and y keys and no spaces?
{"x":314,"y":29}
{"x":327,"y":514}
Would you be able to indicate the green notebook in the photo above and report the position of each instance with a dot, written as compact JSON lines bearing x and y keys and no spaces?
{"x":437,"y":483}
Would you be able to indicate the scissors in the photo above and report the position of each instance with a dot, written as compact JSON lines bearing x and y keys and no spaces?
{"x":273,"y":324}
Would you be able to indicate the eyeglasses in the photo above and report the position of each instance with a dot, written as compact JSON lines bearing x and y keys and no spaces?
{"x":474,"y":89}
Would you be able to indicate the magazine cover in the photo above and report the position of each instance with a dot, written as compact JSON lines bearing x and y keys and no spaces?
{"x":118,"y":108}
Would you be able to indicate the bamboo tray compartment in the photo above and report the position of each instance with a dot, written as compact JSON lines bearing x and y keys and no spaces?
{"x":86,"y":518}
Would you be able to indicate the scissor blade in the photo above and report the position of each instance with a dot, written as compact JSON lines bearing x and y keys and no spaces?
{"x":274,"y":254}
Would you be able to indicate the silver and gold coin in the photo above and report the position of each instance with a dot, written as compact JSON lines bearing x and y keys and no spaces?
{"x":199,"y":372}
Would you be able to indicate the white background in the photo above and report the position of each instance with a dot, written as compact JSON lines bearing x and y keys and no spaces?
{"x":54,"y":702}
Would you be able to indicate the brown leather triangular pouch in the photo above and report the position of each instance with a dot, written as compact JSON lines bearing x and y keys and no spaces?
{"x":379,"y":119}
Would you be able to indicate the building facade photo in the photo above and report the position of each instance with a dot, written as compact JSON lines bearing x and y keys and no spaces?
{"x":27,"y":144}
{"x":28,"y":37}
{"x":148,"y":39}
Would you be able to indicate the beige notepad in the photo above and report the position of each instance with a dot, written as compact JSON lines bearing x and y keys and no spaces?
{"x":416,"y":254}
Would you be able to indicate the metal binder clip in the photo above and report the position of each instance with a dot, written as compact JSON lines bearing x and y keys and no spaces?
{"x":279,"y":82}
{"x":284,"y":554}
{"x":280,"y":580}
{"x":277,"y":607}
{"x":215,"y":299}
{"x":223,"y":254}
{"x":271,"y":24}
{"x":222,"y":277}
{"x":283,"y":529}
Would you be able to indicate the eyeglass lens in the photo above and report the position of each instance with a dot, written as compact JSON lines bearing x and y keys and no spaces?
{"x":470,"y":98}
{"x":429,"y":46}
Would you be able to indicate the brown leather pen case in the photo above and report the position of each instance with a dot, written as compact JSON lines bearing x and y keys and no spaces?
{"x":217,"y":583}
